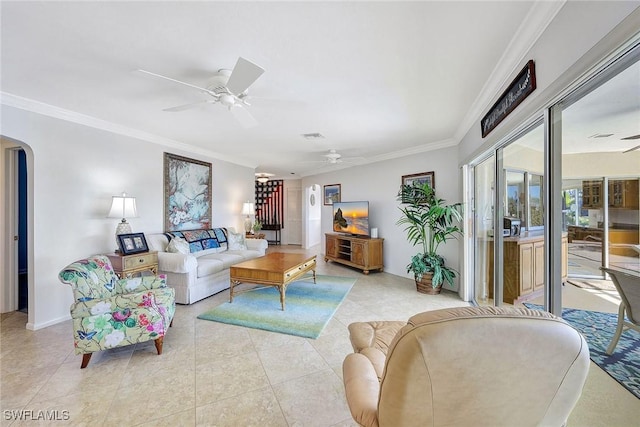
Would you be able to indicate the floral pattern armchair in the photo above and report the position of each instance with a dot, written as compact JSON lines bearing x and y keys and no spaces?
{"x":109,"y":312}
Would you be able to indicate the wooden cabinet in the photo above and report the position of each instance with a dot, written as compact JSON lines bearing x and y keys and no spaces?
{"x":623,"y":194}
{"x":523,"y":267}
{"x":359,"y":252}
{"x":591,"y":194}
{"x":621,"y":242}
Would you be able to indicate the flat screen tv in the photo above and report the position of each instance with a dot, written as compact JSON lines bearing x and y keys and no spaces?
{"x":351,"y":218}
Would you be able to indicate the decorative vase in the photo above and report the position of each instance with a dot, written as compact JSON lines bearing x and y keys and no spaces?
{"x":425,"y":285}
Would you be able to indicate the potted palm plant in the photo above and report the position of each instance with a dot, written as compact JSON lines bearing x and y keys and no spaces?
{"x":428,"y":222}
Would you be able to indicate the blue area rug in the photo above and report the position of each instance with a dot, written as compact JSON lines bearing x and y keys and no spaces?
{"x":598,"y":329}
{"x":308,"y":309}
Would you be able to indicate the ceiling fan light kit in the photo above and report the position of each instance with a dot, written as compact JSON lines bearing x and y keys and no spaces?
{"x":263,"y":177}
{"x":229,"y":88}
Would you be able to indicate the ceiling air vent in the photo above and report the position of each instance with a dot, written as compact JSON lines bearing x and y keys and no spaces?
{"x":314,"y":135}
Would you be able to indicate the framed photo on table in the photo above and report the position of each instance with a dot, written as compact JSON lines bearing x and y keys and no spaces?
{"x":132,"y":243}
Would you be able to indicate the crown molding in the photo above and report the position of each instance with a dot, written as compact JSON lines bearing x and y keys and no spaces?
{"x":432,"y":146}
{"x":38,"y":107}
{"x":512,"y":60}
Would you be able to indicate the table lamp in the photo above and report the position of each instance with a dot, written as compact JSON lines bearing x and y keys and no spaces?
{"x":247,"y":209}
{"x":123,"y":207}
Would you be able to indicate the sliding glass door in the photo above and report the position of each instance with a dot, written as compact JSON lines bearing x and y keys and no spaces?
{"x":561,"y":198}
{"x":483,"y":196}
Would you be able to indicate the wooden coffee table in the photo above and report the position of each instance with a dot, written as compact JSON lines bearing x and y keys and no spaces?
{"x":275,"y":269}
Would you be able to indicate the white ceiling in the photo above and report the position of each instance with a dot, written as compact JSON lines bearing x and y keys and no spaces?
{"x":376,"y":79}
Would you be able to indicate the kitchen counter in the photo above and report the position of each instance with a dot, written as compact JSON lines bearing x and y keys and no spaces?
{"x":620,"y":239}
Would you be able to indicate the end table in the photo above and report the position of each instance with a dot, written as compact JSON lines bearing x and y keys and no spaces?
{"x":125,"y":266}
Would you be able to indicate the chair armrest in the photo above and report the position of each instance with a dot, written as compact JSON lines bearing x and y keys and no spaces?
{"x":361,"y":389}
{"x":377,"y":359}
{"x":115,"y":303}
{"x":257,"y":244}
{"x":142,"y":283}
{"x":177,"y":263}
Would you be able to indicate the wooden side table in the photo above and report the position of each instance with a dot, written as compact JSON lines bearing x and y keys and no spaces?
{"x":125,"y":266}
{"x":254,"y":236}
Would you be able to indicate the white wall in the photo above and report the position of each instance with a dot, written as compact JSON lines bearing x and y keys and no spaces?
{"x":76,"y":169}
{"x":379,"y":184}
{"x":581,"y":35}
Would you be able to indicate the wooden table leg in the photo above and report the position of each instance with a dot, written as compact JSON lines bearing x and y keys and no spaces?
{"x":231,"y":285}
{"x":283,"y":290}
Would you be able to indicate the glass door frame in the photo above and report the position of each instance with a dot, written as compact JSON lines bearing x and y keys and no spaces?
{"x":552,"y":179}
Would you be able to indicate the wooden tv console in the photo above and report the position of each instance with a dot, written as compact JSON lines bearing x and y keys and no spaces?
{"x":364,"y":253}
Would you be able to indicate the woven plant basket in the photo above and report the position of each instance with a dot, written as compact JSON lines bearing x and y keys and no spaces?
{"x":425,"y":286}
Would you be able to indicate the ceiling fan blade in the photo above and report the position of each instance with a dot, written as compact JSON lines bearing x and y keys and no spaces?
{"x":187,"y":106}
{"x":244,"y":74}
{"x":632,"y":149}
{"x":178,"y":81}
{"x":243,"y":116}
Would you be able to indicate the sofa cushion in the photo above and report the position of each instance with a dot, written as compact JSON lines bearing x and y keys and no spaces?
{"x":236,"y":242}
{"x":200,"y":240}
{"x":246,"y":255}
{"x":207,"y":266}
{"x":228,"y":259}
{"x":178,"y":245}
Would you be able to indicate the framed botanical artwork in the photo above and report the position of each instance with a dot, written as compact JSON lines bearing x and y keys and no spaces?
{"x":187,"y":193}
{"x":132,"y":243}
{"x":332,"y":194}
{"x":419,"y":178}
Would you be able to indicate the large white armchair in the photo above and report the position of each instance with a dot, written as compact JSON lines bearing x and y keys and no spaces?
{"x":467,"y":366}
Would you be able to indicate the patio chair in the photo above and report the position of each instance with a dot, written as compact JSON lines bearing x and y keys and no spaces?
{"x":628,"y":286}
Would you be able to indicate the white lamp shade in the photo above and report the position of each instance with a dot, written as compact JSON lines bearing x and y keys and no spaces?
{"x":123,"y":207}
{"x":248,"y":209}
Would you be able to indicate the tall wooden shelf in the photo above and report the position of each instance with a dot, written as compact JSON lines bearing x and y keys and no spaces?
{"x":360,"y":252}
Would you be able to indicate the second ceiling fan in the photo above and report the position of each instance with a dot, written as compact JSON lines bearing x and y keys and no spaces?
{"x":228,"y":88}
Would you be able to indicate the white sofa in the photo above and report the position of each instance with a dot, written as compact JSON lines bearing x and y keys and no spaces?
{"x":202,"y":269}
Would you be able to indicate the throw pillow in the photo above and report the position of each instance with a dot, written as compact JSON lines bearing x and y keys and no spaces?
{"x":236,"y":241}
{"x":178,"y":245}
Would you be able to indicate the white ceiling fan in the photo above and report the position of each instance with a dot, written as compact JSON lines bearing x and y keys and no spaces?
{"x":228,"y":88}
{"x":333,"y":158}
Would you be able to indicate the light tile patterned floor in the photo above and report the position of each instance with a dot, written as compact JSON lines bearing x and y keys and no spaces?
{"x":213,"y":374}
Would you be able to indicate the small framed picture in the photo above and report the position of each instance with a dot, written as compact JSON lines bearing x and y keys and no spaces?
{"x":331,"y":194}
{"x":418,"y":178}
{"x":132,"y":243}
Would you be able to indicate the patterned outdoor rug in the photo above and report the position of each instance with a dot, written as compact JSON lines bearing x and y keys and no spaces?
{"x":308,"y":309}
{"x":598,"y":329}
